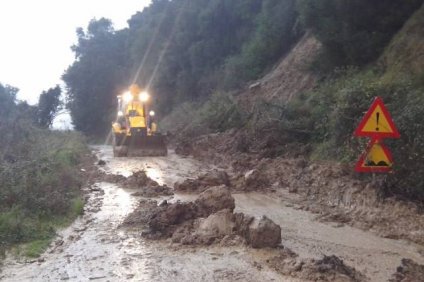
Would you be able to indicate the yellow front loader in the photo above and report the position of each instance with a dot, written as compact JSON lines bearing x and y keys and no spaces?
{"x":135,"y":132}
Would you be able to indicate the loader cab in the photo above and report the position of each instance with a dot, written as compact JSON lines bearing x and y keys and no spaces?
{"x":136,"y":117}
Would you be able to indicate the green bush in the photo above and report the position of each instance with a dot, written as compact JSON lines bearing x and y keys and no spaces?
{"x":221,"y":113}
{"x":35,"y":248}
{"x":217,"y":114}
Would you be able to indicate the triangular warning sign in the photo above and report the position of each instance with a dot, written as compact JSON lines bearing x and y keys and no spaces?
{"x":377,"y":122}
{"x":377,"y":158}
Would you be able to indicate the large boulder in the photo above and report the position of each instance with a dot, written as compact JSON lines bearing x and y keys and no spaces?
{"x":214,"y":199}
{"x":217,"y":224}
{"x":264,"y":233}
{"x":205,"y":231}
{"x":168,"y":215}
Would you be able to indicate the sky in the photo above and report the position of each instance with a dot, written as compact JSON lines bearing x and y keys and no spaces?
{"x":36,"y":36}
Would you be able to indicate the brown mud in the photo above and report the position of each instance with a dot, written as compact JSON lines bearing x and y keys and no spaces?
{"x":207,"y":220}
{"x":97,"y":247}
{"x":330,"y":190}
{"x":408,"y":271}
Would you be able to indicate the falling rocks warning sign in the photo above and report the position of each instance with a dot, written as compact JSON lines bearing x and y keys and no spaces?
{"x":377,"y":158}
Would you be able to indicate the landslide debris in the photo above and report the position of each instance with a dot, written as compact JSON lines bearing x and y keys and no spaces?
{"x":330,"y":190}
{"x":252,"y":180}
{"x":329,"y":268}
{"x":208,"y":220}
{"x":263,"y":233}
{"x":214,"y":199}
{"x":203,"y":182}
{"x":408,"y":271}
{"x":146,"y":187}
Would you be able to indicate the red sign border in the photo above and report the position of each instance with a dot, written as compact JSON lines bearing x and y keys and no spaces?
{"x":378,"y":101}
{"x":359,"y":165}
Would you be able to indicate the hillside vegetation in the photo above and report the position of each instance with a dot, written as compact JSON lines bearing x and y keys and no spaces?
{"x":39,"y":179}
{"x":335,"y":107}
{"x":318,"y":65}
{"x":180,"y":50}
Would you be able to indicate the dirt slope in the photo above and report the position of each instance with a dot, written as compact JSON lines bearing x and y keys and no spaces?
{"x":290,"y":76}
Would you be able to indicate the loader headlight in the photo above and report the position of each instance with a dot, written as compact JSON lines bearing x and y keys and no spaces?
{"x":152,"y":113}
{"x":127,"y":97}
{"x":144,"y":96}
{"x":120,"y":114}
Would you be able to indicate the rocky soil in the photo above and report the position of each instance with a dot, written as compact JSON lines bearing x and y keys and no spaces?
{"x":330,"y":190}
{"x":408,"y":271}
{"x":328,"y":268}
{"x":207,"y":220}
{"x":139,"y":181}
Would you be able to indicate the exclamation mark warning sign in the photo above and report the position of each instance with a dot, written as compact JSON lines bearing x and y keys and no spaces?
{"x":377,"y":123}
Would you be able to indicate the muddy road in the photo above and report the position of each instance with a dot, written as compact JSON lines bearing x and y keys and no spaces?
{"x":95,"y":248}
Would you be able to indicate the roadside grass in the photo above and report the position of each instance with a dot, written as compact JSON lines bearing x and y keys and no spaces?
{"x":41,"y":183}
{"x":39,"y":231}
{"x":34,"y":249}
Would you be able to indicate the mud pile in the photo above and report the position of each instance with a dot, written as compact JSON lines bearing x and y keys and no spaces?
{"x":408,"y":271}
{"x":203,"y":182}
{"x":146,"y":187}
{"x":208,"y":220}
{"x":329,"y":189}
{"x":332,"y":191}
{"x":252,"y":180}
{"x":329,"y":268}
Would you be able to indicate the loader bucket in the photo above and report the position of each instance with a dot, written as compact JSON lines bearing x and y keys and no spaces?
{"x":140,"y":146}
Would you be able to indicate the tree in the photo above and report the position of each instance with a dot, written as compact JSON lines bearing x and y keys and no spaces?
{"x":273,"y":36}
{"x":48,"y":105}
{"x":96,"y":77}
{"x":7,"y":100}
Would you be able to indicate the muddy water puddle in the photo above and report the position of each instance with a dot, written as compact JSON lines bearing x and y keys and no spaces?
{"x":374,"y":256}
{"x":91,"y":249}
{"x":165,"y":170}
